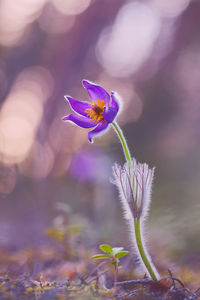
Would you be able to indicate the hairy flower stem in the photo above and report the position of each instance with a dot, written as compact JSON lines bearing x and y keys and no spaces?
{"x":142,"y":251}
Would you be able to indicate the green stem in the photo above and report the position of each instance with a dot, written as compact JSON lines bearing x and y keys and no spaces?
{"x":123,"y":142}
{"x":141,"y":249}
{"x":138,"y":237}
{"x":116,"y":275}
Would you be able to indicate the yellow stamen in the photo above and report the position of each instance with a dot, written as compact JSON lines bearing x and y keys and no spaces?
{"x":95,"y":113}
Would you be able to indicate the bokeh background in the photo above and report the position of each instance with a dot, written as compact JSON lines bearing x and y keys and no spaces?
{"x":147,"y":51}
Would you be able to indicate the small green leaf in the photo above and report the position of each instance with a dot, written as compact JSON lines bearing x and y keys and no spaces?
{"x":121,"y":254}
{"x":117,"y":250}
{"x":100,"y":256}
{"x":106,"y":248}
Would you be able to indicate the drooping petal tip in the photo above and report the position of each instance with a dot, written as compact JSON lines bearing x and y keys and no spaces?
{"x":98,"y":130}
{"x":116,"y":101}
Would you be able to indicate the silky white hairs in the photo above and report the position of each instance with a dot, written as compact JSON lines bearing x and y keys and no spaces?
{"x":134,"y":184}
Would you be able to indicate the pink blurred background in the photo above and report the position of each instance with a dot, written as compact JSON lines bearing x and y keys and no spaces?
{"x":147,"y":51}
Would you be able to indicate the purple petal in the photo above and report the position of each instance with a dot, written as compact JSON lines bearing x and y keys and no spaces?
{"x":78,"y":106}
{"x":111,"y":111}
{"x":80,"y":121}
{"x":95,"y":91}
{"x":109,"y":114}
{"x":100,"y":128}
{"x":115,"y":101}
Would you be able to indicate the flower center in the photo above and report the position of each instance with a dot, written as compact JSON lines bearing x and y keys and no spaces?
{"x":95,"y":113}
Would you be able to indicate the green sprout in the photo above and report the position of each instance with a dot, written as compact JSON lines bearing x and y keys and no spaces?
{"x":113,"y":254}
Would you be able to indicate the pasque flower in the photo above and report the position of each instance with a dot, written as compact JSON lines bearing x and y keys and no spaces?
{"x":98,"y":113}
{"x":134,"y":182}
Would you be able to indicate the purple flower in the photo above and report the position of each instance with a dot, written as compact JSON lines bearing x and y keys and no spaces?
{"x":98,"y":113}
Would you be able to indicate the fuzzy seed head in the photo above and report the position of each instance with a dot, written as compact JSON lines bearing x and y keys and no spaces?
{"x":134,"y":185}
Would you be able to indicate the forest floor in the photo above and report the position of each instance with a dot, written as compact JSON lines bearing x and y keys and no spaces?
{"x":49,"y":273}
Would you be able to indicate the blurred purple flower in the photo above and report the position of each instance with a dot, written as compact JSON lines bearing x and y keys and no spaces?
{"x":99,"y":113}
{"x":92,"y":169}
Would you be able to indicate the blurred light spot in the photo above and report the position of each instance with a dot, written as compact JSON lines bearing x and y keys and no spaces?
{"x":61,"y":141}
{"x":57,"y":135}
{"x":171,"y":8}
{"x":16,"y":136}
{"x":15,"y":16}
{"x":133,"y":108}
{"x":53,"y":22}
{"x":22,"y":104}
{"x":124,"y":47}
{"x":36,"y":79}
{"x":64,"y":140}
{"x":21,"y":113}
{"x":9,"y":38}
{"x":71,"y":7}
{"x":39,"y":163}
{"x":7,"y":179}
